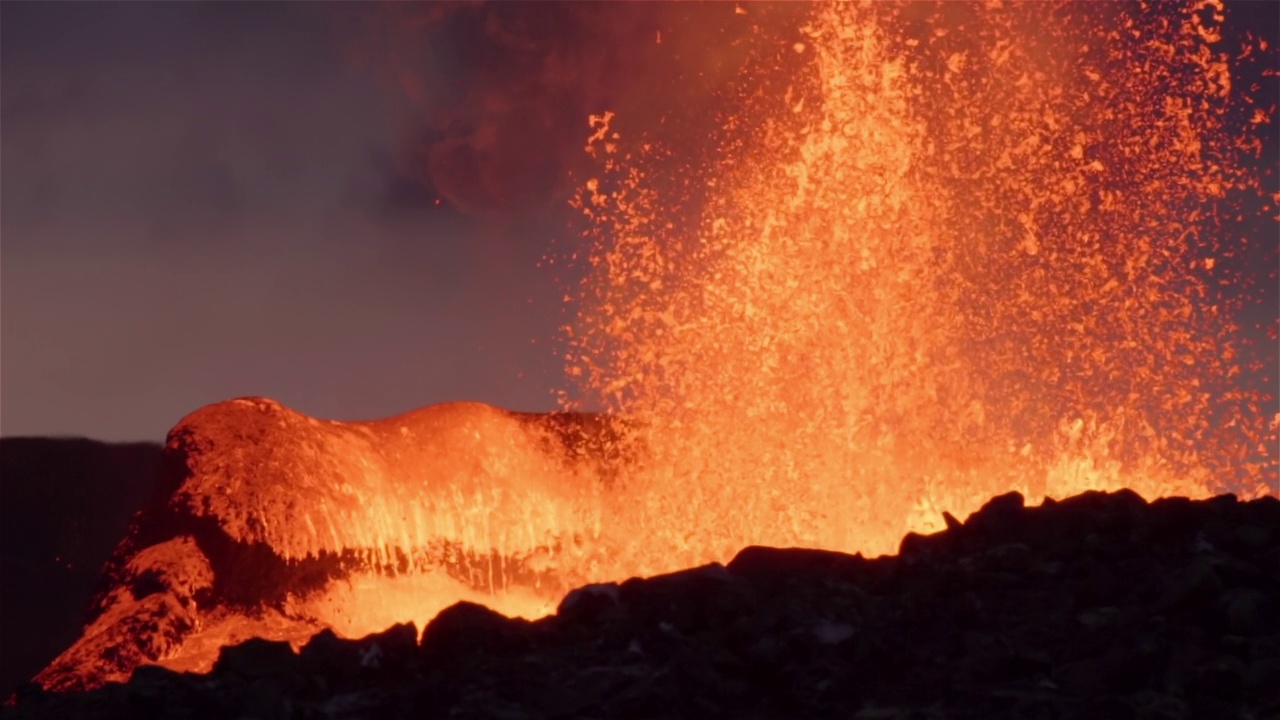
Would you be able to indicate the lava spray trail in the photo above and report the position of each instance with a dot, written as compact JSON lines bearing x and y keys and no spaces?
{"x":935,"y":252}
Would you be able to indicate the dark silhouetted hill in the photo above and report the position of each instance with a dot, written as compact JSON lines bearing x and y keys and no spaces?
{"x":64,"y":505}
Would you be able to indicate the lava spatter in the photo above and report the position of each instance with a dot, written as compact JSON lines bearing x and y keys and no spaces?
{"x":971,"y":248}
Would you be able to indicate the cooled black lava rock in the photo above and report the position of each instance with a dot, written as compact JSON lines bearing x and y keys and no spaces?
{"x":1098,"y":606}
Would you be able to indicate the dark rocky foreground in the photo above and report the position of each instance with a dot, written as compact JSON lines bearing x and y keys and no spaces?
{"x":1098,"y":606}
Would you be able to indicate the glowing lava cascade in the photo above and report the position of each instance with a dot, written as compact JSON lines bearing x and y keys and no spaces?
{"x":269,"y":523}
{"x":970,"y":248}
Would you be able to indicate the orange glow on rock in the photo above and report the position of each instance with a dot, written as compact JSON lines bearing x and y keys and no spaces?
{"x":274,"y":524}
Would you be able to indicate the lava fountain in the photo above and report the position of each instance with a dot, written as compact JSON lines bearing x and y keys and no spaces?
{"x":961,"y":249}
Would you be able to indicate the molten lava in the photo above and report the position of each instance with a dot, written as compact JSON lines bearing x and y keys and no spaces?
{"x":969,"y":249}
{"x":932,"y":253}
{"x":273,"y":524}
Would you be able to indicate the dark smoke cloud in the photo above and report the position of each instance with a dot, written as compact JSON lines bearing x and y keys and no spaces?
{"x":495,"y":96}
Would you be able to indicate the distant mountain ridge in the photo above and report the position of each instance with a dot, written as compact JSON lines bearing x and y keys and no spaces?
{"x":65,"y":503}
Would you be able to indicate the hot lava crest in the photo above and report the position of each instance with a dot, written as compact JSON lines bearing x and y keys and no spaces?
{"x":269,"y":523}
{"x":1097,"y":606}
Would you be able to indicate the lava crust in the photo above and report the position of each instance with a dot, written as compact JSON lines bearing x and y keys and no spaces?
{"x":259,"y":510}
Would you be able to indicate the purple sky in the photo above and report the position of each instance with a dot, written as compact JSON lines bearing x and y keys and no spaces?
{"x":203,"y":202}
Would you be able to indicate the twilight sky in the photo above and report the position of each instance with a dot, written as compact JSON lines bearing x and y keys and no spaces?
{"x":208,"y":201}
{"x":341,"y":206}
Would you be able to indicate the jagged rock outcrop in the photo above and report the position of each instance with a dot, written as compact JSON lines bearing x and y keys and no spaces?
{"x":1097,"y":606}
{"x":256,"y":505}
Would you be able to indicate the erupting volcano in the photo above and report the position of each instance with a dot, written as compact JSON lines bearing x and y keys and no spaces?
{"x":918,"y":256}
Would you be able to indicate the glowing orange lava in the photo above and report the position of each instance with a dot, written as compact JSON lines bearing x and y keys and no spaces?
{"x":969,"y":249}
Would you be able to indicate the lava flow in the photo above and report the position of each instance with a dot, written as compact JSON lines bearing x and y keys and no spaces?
{"x":929,"y":254}
{"x":273,"y":524}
